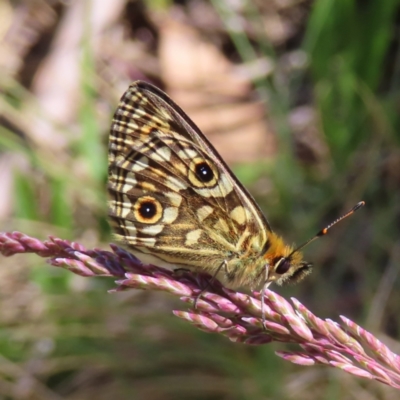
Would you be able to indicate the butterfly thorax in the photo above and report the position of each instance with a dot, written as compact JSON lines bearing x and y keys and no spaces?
{"x":275,"y":263}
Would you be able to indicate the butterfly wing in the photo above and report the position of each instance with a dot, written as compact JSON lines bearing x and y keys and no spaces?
{"x":171,"y":194}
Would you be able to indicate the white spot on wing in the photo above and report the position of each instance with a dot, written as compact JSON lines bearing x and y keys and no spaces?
{"x":165,"y":114}
{"x":238,"y":214}
{"x":203,"y":212}
{"x":145,"y":242}
{"x":131,"y":229}
{"x":152,"y":229}
{"x":129,"y":182}
{"x":119,"y":159}
{"x":162,"y":154}
{"x":175,"y":184}
{"x":141,"y":164}
{"x":170,"y":214}
{"x":174,"y":198}
{"x":192,"y":237}
{"x":188,"y":154}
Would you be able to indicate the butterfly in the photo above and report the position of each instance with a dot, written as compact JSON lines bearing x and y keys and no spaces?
{"x":174,"y":202}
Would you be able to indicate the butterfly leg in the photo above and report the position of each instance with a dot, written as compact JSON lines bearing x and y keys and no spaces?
{"x":223,"y":265}
{"x":265,"y":286}
{"x":181,"y":270}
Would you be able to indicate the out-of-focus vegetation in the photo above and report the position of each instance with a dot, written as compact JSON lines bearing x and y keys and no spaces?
{"x":300,"y":97}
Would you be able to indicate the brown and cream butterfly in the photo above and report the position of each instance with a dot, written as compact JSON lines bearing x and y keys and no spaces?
{"x":174,"y":202}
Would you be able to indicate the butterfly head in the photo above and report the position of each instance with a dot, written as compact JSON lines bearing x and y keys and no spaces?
{"x":284,"y":264}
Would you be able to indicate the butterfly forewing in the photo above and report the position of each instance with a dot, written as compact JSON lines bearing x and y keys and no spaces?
{"x":171,"y":195}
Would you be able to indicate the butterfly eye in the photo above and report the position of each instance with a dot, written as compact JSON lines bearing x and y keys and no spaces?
{"x":204,"y":172}
{"x":283,"y":266}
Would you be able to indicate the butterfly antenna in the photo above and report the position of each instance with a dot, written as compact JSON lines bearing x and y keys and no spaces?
{"x":325,"y":230}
